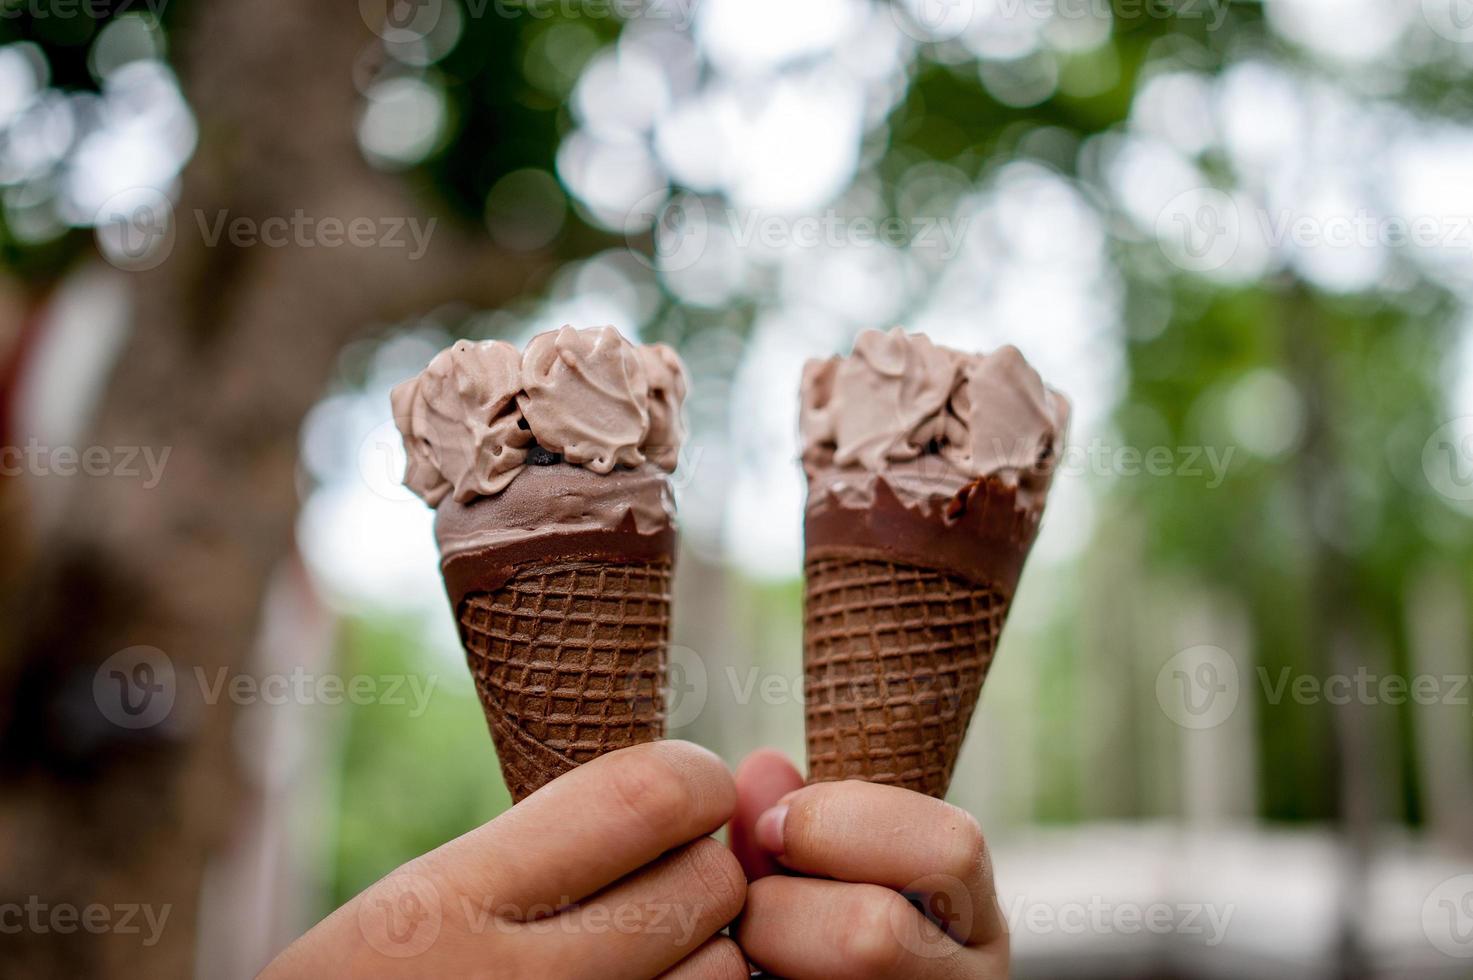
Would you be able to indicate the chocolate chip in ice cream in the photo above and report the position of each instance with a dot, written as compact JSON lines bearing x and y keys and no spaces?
{"x":538,"y":456}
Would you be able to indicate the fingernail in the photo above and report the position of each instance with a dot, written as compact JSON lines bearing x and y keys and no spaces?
{"x":769,"y":829}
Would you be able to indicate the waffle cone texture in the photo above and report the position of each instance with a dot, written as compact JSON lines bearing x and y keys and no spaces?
{"x":894,"y":657}
{"x":569,"y":663}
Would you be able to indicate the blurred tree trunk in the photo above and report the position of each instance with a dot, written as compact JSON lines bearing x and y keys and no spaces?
{"x":20,"y":321}
{"x":230,"y":347}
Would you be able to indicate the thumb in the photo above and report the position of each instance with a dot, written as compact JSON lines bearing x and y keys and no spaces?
{"x":763,"y":778}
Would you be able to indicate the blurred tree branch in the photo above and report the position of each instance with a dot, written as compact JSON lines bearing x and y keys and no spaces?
{"x":231,"y":346}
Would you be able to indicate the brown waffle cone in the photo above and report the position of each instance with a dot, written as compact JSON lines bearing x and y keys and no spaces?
{"x":569,"y":662}
{"x":894,"y":656}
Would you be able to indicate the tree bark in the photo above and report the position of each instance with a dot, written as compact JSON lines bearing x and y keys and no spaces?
{"x":230,"y":348}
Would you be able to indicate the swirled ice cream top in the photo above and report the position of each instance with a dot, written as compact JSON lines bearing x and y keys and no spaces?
{"x":929,"y":418}
{"x":474,"y":419}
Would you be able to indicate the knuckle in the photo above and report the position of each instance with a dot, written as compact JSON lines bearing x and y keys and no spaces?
{"x":808,"y":825}
{"x":763,"y":895}
{"x":719,"y":879}
{"x":723,"y":960}
{"x":650,"y":789}
{"x":871,"y":947}
{"x":968,"y":846}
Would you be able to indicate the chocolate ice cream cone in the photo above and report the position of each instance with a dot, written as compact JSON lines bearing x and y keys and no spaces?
{"x":558,"y":573}
{"x":914,"y":545}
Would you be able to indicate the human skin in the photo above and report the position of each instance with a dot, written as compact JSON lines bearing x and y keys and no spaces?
{"x":838,"y":870}
{"x":605,"y":872}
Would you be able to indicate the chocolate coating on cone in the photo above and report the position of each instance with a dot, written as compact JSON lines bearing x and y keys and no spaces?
{"x":979,"y":534}
{"x":555,"y":513}
{"x":488,"y":569}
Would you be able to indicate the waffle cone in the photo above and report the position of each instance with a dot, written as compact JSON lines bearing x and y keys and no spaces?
{"x":569,"y":661}
{"x":894,"y":656}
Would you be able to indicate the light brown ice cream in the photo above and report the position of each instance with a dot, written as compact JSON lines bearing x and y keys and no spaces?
{"x":589,"y":422}
{"x":929,"y":421}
